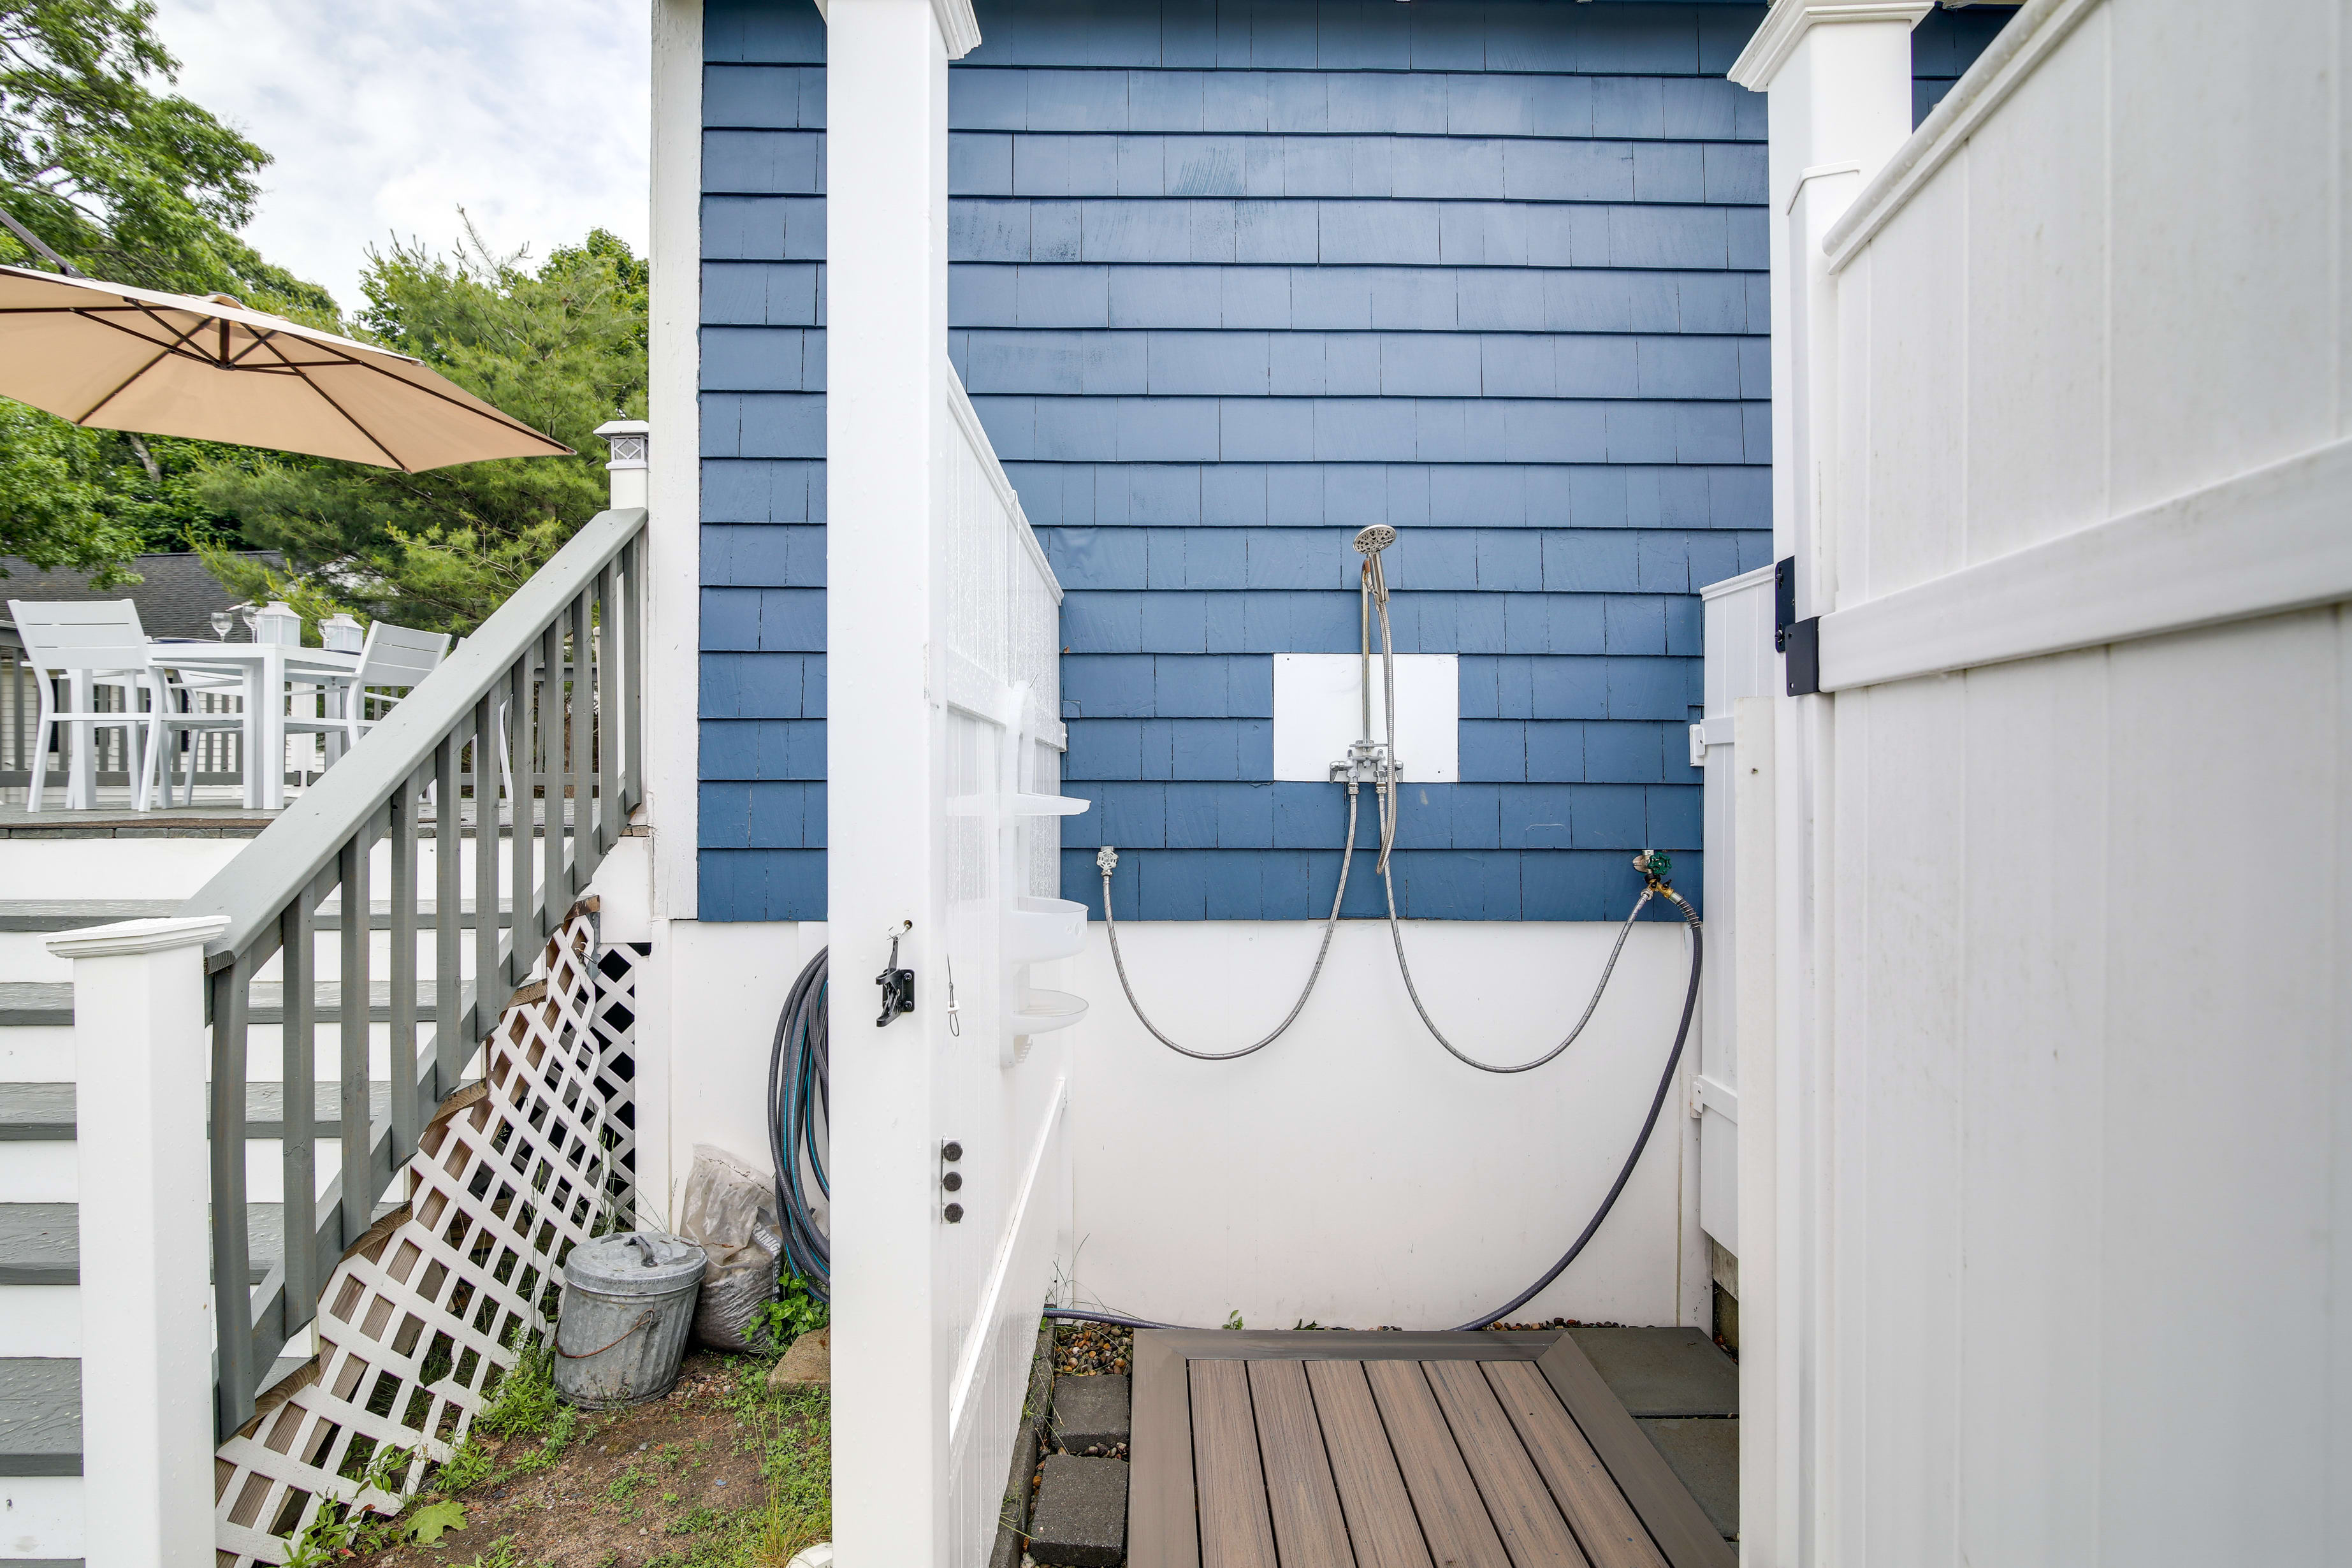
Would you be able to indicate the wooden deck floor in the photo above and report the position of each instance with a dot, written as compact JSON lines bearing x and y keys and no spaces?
{"x":1324,"y":1449}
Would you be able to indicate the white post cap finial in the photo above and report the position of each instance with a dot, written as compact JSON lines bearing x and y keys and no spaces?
{"x":1785,"y":26}
{"x":630,"y":440}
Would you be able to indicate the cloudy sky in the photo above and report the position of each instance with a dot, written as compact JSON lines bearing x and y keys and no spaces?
{"x":386,"y":116}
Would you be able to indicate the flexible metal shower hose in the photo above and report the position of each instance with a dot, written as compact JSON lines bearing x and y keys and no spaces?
{"x":1608,"y":1201}
{"x":1110,"y":923}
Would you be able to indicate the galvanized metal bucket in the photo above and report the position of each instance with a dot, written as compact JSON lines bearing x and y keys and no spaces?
{"x":629,"y":1301}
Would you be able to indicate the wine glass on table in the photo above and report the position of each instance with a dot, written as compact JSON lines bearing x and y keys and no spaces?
{"x":222,"y":620}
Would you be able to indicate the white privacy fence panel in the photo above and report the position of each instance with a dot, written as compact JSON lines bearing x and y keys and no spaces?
{"x":1739,"y":664}
{"x":2058,"y":916}
{"x":999,"y":1085}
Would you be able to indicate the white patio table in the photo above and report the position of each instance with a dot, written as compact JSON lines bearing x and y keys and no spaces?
{"x":264,"y":667}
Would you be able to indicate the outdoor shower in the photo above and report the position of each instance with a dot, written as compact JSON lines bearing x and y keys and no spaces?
{"x":798,"y":1070}
{"x":1375,"y":764}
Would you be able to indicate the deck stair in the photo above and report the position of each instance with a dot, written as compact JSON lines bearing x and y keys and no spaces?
{"x":405,"y":963}
{"x":40,"y":1240}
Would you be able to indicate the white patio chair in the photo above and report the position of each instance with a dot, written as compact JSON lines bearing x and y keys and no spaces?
{"x":191,"y":686}
{"x":104,"y":644}
{"x":392,"y":657}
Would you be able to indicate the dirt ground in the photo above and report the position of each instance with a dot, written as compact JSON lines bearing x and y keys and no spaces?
{"x":717,"y":1474}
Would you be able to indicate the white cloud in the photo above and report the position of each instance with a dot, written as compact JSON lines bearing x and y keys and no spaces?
{"x":385,"y":116}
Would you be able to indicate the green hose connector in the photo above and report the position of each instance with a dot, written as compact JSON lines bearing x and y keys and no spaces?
{"x":1655,"y":866}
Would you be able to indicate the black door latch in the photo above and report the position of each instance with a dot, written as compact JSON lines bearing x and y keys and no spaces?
{"x":897,"y":984}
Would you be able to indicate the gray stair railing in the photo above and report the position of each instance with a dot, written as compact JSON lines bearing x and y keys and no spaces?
{"x":548,"y":692}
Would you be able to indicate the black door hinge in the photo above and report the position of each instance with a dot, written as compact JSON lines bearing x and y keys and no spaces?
{"x":1803,"y":663}
{"x":1800,"y":641}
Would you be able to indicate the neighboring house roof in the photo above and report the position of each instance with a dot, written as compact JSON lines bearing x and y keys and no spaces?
{"x":176,"y":597}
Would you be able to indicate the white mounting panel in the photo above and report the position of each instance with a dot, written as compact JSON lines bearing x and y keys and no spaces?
{"x":1318,"y":714}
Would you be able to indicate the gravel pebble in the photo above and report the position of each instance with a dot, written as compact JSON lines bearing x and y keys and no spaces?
{"x":1088,"y":1348}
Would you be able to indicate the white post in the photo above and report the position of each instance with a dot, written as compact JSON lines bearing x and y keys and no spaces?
{"x":139,"y":1060}
{"x":1838,"y":72}
{"x":885,"y":435}
{"x":629,"y":439}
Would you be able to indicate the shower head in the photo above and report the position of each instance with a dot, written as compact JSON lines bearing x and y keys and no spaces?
{"x":1373,"y":540}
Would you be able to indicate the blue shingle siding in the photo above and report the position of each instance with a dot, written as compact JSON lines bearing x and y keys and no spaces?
{"x":1944,"y":45}
{"x":1231,"y":280}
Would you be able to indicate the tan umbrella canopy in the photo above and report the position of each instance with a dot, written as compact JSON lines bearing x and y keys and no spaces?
{"x":116,"y":358}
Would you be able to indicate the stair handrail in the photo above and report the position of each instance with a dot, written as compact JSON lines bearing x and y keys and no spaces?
{"x":303,"y":841}
{"x":530,"y":704}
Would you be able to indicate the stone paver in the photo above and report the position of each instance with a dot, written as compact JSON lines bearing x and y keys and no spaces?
{"x":1663,"y":1372}
{"x":1081,"y":1516}
{"x":808,"y":1364}
{"x":1090,"y":1413}
{"x":1702,"y":1451}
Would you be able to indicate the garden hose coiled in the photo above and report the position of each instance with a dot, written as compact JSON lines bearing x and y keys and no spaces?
{"x":799,"y":1123}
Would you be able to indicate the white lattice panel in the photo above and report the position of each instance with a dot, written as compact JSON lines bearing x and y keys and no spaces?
{"x":510,"y":1173}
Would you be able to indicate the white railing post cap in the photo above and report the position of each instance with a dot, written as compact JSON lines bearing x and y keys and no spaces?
{"x":126,"y":938}
{"x":629,"y":439}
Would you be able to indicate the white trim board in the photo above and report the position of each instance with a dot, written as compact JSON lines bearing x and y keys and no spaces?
{"x":2260,"y":543}
{"x":674,"y":503}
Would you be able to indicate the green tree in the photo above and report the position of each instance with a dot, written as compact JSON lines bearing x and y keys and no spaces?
{"x":560,"y":347}
{"x":136,"y":185}
{"x":126,"y":182}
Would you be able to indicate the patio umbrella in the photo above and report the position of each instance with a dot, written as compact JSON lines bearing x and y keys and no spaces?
{"x":117,"y":358}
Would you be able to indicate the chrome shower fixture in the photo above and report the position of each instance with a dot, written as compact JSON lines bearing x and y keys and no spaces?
{"x":1373,"y":540}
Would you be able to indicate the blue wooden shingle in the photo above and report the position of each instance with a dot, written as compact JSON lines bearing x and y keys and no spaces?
{"x":762,"y":491}
{"x":759,"y":31}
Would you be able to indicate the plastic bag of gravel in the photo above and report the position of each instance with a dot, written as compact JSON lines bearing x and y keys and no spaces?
{"x":730,"y":1210}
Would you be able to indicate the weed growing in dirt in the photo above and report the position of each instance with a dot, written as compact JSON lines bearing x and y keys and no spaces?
{"x":792,"y":1313}
{"x":500,"y":1554}
{"x":736,"y":1424}
{"x":523,"y":1403}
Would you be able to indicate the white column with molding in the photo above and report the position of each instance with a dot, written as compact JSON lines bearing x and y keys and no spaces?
{"x":1839,"y":73}
{"x":887,"y":448}
{"x":141,"y":1054}
{"x":673,"y":601}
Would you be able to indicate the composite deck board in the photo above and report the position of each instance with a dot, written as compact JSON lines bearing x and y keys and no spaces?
{"x":1309,"y":1530}
{"x":1393,"y":1450}
{"x":1533,"y":1529}
{"x":48,"y":1003}
{"x":1453,"y":1518}
{"x":1237,"y":1527}
{"x":1605,"y":1524}
{"x":1685,"y":1534}
{"x":44,"y":1112}
{"x":1372,"y":1500}
{"x":1162,"y":1527}
{"x":36,"y":1112}
{"x":40,"y":1416}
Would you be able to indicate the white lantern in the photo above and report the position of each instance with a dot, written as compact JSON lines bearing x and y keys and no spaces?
{"x":342,"y":634}
{"x":277,"y":623}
